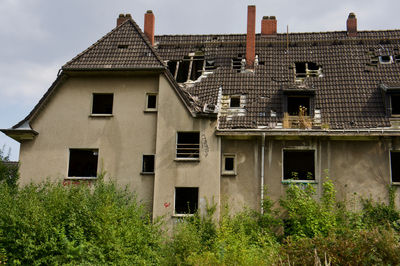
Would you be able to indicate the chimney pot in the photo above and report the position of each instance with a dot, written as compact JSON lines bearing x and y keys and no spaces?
{"x":122,"y":18}
{"x":351,"y":25}
{"x":149,"y":21}
{"x":268,"y":26}
{"x":251,"y":36}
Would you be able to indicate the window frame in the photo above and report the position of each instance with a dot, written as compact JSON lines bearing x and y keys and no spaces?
{"x":175,"y":214}
{"x":396,"y":183}
{"x":82,"y":177}
{"x":391,"y":104}
{"x":299,"y":149}
{"x":229,"y":172}
{"x":188,"y":158}
{"x":146,"y":104}
{"x":93,"y":102}
{"x":154,"y":166}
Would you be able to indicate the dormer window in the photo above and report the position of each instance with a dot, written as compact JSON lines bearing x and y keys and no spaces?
{"x":307,"y":69}
{"x":391,"y":96}
{"x":234,"y":102}
{"x":395,"y":104}
{"x":297,"y":103}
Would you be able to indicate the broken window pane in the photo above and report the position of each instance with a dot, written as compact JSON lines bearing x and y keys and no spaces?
{"x":234,"y":102}
{"x":197,"y":67}
{"x":148,"y":164}
{"x":186,"y":200}
{"x":295,"y":102}
{"x":395,"y":103}
{"x":395,"y":165}
{"x":188,"y":145}
{"x":183,"y":70}
{"x":301,"y":69}
{"x":82,"y":163}
{"x":102,"y":103}
{"x":298,"y":165}
{"x":172,"y":67}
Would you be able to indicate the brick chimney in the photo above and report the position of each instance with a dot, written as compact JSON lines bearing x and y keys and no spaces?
{"x":352,"y":25}
{"x":149,"y":25}
{"x":268,"y":26}
{"x":121,"y":18}
{"x":251,"y":36}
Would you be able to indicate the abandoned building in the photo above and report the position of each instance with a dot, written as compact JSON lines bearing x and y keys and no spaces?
{"x":186,"y":119}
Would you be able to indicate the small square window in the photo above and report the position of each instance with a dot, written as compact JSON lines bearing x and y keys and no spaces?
{"x":235,"y":102}
{"x":102,"y":103}
{"x":298,"y":165}
{"x":83,"y":163}
{"x":151,"y":102}
{"x":188,"y":145}
{"x":395,"y":166}
{"x":148,"y":164}
{"x":186,"y":200}
{"x":229,"y":164}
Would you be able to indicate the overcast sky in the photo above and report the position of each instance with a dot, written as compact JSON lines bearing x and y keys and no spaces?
{"x":38,"y":36}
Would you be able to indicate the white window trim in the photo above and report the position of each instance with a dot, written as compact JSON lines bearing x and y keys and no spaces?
{"x":301,"y":148}
{"x":229,"y":172}
{"x":150,"y":110}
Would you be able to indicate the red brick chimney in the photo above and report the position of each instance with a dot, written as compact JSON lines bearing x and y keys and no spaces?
{"x":149,"y":25}
{"x":251,"y":36}
{"x":352,"y":25}
{"x":121,"y":18}
{"x":268,"y":25}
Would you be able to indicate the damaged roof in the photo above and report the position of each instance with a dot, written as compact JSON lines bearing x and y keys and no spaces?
{"x":347,"y":94}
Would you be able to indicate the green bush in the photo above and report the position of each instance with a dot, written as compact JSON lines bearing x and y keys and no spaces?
{"x":49,"y":224}
{"x":8,"y":172}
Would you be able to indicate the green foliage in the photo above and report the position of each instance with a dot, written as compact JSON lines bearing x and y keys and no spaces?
{"x":308,"y":216}
{"x":8,"y":172}
{"x":52,"y":224}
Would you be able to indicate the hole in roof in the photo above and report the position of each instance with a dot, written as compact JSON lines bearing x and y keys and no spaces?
{"x":385,"y":59}
{"x":122,"y":46}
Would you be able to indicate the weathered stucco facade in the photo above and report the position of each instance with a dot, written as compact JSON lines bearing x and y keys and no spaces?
{"x":186,"y":121}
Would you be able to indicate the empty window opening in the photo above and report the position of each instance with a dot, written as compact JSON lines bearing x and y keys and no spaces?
{"x":122,"y":46}
{"x":395,"y":103}
{"x":234,"y":102}
{"x":294,"y":103}
{"x":197,"y":67}
{"x":210,"y":65}
{"x":395,"y":166}
{"x":397,"y":58}
{"x":172,"y":67}
{"x":183,"y":70}
{"x":82,"y":163}
{"x":307,"y":69}
{"x":151,"y":101}
{"x":237,"y":63}
{"x":188,"y":145}
{"x":148,"y":164}
{"x":298,"y":165}
{"x":385,"y":59}
{"x":102,"y":103}
{"x":186,"y":200}
{"x":229,"y":164}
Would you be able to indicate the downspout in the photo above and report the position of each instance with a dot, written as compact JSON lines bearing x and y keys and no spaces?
{"x":262,"y":171}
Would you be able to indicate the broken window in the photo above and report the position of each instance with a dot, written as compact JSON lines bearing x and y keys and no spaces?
{"x":190,"y":67}
{"x":397,"y":58}
{"x":102,"y":103}
{"x":83,"y":162}
{"x":385,"y":59}
{"x":237,"y":63}
{"x":151,"y":102}
{"x":294,"y":103}
{"x":188,"y":145}
{"x":234,"y":102}
{"x":172,"y":67}
{"x":298,"y":165}
{"x":148,"y":164}
{"x":229,"y":164}
{"x":395,"y":104}
{"x":186,"y":200}
{"x":183,"y":70}
{"x":395,"y":166}
{"x":197,"y":67}
{"x":307,"y":69}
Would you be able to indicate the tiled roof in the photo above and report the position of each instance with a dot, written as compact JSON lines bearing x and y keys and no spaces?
{"x":125,"y":47}
{"x":348,"y":94}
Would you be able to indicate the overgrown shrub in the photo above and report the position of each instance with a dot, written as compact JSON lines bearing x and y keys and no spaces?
{"x":8,"y":172}
{"x":50,"y":224}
